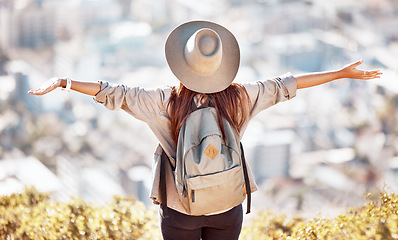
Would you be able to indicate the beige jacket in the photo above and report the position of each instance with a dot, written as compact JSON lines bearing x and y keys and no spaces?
{"x":149,"y":105}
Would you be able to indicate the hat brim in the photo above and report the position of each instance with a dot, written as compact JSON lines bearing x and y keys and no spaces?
{"x":209,"y":83}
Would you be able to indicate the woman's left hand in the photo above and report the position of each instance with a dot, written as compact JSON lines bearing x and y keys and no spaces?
{"x":351,"y":71}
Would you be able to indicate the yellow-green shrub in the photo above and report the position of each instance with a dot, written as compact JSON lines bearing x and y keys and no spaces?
{"x":375,"y":220}
{"x":33,"y":215}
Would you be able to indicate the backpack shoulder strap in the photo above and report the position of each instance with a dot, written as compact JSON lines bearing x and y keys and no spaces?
{"x":247,"y":182}
{"x":163,"y":194}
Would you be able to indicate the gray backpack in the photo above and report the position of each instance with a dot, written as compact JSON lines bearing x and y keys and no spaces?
{"x":210,"y":174}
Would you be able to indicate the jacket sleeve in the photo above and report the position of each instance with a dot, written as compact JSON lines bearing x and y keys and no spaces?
{"x":143,"y":104}
{"x":264,"y":94}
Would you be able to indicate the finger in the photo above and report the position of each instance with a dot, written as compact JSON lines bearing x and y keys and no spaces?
{"x":372,"y":75}
{"x":37,"y":92}
{"x":356,"y":64}
{"x":369,"y":78}
{"x":378,"y":72}
{"x":372,"y":72}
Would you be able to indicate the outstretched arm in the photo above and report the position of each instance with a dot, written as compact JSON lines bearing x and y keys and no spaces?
{"x":89,"y":88}
{"x":348,"y":71}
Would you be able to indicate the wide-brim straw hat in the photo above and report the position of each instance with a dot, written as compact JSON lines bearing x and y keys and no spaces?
{"x":203,"y":55}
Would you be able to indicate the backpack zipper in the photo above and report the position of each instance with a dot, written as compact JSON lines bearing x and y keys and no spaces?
{"x":193,"y":195}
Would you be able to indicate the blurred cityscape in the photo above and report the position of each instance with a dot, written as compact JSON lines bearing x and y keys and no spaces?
{"x":321,"y":152}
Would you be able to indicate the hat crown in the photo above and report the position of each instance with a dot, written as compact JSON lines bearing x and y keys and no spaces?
{"x":203,"y":51}
{"x":203,"y":55}
{"x":207,"y":45}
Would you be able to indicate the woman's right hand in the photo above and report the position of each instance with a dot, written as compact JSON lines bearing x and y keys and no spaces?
{"x":47,"y":87}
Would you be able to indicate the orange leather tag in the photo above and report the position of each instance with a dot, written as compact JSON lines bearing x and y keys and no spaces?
{"x":211,"y":151}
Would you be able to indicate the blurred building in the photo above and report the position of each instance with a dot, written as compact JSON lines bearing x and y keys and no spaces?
{"x":28,"y":26}
{"x":269,"y":153}
{"x":15,"y":174}
{"x":14,"y":90}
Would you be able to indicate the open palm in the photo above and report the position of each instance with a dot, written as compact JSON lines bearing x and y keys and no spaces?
{"x":351,"y":71}
{"x":47,"y":87}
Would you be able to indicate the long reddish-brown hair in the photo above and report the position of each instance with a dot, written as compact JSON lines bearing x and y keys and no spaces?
{"x":231,"y":104}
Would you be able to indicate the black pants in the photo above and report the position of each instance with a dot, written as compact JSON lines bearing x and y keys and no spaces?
{"x":179,"y":226}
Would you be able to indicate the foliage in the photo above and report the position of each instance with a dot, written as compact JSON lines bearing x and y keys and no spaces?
{"x":33,"y":215}
{"x":376,"y":220}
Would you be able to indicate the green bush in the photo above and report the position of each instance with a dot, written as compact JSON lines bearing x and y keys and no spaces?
{"x":33,"y":215}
